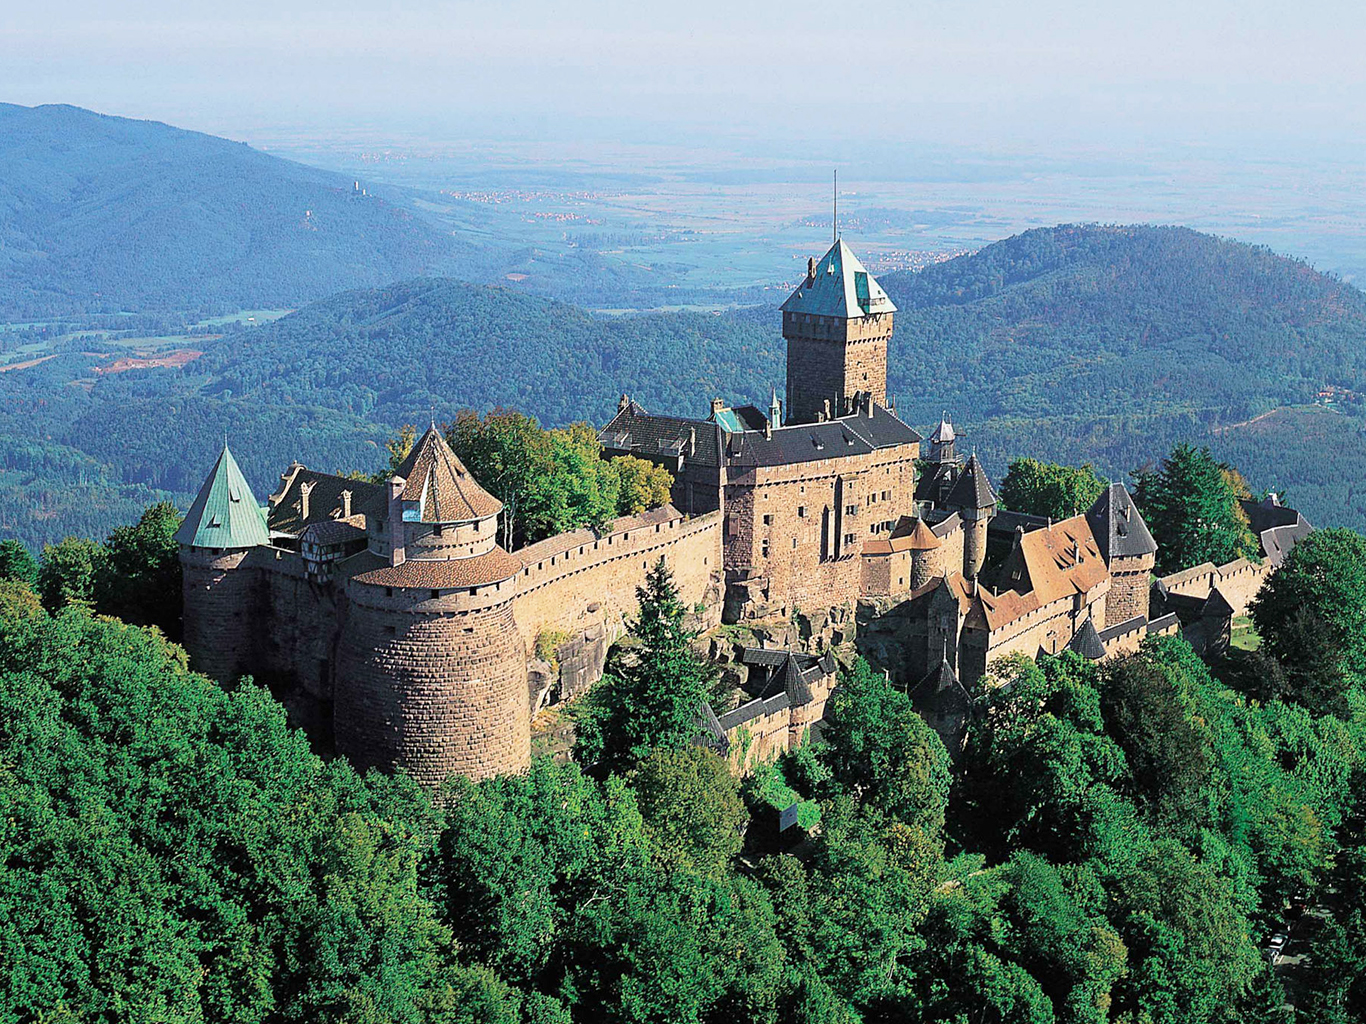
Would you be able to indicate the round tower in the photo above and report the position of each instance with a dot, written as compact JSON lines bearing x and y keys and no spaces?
{"x":927,"y":560}
{"x":975,"y":502}
{"x":224,"y":525}
{"x":431,"y":674}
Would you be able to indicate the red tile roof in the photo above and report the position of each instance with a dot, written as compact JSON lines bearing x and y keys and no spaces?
{"x":436,"y":574}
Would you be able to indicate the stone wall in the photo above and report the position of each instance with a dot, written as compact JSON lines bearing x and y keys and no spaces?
{"x":795,"y":527}
{"x":296,"y":642}
{"x":1130,"y":582}
{"x":432,"y":685}
{"x":578,"y":582}
{"x":1238,"y":581}
{"x":223,"y":607}
{"x":830,"y":358}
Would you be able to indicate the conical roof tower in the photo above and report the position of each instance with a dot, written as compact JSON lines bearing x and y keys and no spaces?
{"x":225,"y":513}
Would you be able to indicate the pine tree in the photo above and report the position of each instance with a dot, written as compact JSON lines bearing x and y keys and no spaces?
{"x":654,"y":701}
{"x":1191,"y":507}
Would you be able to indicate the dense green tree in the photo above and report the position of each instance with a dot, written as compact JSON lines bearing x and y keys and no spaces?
{"x":139,"y":576}
{"x":1191,"y":507}
{"x":1167,"y":754}
{"x":1048,"y":489}
{"x":1311,"y":615}
{"x":551,"y":879}
{"x":551,"y":481}
{"x":17,"y":563}
{"x":656,"y":695}
{"x":690,"y":800}
{"x":880,"y":751}
{"x":70,"y":573}
{"x":174,"y":852}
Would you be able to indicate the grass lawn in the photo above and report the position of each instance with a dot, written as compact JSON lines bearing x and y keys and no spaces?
{"x":1245,"y":636}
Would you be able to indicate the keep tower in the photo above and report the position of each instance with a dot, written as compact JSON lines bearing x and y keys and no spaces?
{"x":837,"y":324}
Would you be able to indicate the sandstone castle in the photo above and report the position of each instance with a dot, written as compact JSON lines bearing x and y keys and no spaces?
{"x":396,"y":611}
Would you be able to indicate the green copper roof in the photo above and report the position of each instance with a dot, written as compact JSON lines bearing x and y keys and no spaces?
{"x":839,"y":286}
{"x":225,"y":513}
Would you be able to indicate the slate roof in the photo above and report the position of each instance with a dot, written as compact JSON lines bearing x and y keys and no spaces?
{"x":841,"y":286}
{"x":445,"y":491}
{"x":1117,"y":526}
{"x":790,"y":672}
{"x":1278,"y":528}
{"x":334,"y":531}
{"x":1120,"y":628}
{"x":972,"y":489}
{"x":324,"y":499}
{"x":636,"y":431}
{"x":224,"y":514}
{"x":1086,"y":642}
{"x":856,"y":434}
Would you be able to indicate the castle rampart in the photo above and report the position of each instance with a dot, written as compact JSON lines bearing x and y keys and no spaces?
{"x":579,"y":580}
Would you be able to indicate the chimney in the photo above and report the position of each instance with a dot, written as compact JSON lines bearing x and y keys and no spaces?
{"x":623,"y":403}
{"x":717,"y":405}
{"x":346,"y":504}
{"x":768,"y":429}
{"x":692,"y":441}
{"x":827,"y":409}
{"x":868,"y":403}
{"x":810,"y":271}
{"x":305,"y":489}
{"x":396,"y":552}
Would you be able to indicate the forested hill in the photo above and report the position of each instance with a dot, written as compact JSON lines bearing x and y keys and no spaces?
{"x":1071,"y":344}
{"x":1110,"y":343}
{"x":107,"y":214}
{"x":399,"y":353}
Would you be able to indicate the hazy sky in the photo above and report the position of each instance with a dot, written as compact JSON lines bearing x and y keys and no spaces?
{"x":1254,"y":74}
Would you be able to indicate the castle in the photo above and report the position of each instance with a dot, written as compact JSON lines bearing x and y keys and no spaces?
{"x":394,"y":608}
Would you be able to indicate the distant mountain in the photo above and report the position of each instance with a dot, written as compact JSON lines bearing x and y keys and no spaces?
{"x":1071,"y":343}
{"x":107,"y":214}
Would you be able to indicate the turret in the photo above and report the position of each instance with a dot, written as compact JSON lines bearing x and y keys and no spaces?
{"x":926,"y":558}
{"x":975,"y":502}
{"x":223,"y":526}
{"x":942,"y":440}
{"x":431,"y":676}
{"x":1128,"y":549}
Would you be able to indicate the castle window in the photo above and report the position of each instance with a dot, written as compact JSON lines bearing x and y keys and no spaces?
{"x":388,"y":591}
{"x":768,"y":520}
{"x":435,"y":594}
{"x":794,"y":543}
{"x":848,"y":538}
{"x":801,"y":510}
{"x":763,"y":549}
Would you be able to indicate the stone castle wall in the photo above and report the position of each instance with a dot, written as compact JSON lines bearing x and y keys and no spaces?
{"x":578,"y":581}
{"x":1130,"y":582}
{"x":222,"y":611}
{"x":829,"y":358}
{"x":1238,"y":581}
{"x":801,"y":527}
{"x":432,"y":684}
{"x":296,"y":637}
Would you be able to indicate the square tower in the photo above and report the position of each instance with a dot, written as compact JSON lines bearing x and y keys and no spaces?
{"x":837,"y":325}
